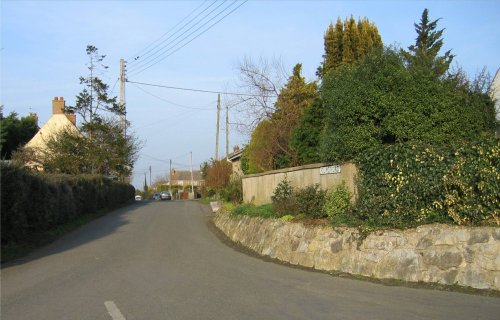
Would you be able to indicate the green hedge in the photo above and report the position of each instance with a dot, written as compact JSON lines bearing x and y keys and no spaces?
{"x":406,"y":185}
{"x":38,"y":202}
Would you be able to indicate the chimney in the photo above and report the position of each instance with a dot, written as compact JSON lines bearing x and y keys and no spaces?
{"x":58,"y":105}
{"x":71,"y":117}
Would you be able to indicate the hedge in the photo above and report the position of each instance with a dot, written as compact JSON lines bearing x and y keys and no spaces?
{"x":405,"y":185}
{"x":33,"y":202}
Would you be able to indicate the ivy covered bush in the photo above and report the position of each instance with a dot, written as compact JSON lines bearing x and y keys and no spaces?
{"x":338,"y":201}
{"x":410,"y":184}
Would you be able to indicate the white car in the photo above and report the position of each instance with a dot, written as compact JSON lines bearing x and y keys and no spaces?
{"x":138,"y":198}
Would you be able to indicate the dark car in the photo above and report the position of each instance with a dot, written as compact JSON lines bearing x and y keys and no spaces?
{"x":156,"y":196}
{"x":165,"y":195}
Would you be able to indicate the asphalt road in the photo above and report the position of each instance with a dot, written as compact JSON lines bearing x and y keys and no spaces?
{"x":160,"y":260}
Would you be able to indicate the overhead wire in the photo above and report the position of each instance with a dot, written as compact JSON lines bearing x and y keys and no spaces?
{"x":143,"y":61}
{"x":191,"y":40}
{"x":165,"y":100}
{"x":162,"y":53}
{"x":139,"y":54}
{"x":197,"y":90}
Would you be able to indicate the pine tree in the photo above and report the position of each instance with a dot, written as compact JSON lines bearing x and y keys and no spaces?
{"x":422,"y":58}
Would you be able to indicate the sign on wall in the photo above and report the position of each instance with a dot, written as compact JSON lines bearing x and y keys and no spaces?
{"x":329,"y":169}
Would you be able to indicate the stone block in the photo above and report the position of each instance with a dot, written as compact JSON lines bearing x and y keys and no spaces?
{"x":443,"y":259}
{"x":336,"y":246}
{"x":479,"y":236}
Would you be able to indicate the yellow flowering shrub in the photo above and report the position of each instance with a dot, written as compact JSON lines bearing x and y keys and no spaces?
{"x":411,"y":184}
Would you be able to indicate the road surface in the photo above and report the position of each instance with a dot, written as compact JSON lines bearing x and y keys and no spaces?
{"x":160,"y":260}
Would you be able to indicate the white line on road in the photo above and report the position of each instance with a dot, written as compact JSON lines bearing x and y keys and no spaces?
{"x":113,"y":311}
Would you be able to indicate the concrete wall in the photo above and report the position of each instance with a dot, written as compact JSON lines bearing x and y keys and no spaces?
{"x":431,"y":253}
{"x":258,"y":188}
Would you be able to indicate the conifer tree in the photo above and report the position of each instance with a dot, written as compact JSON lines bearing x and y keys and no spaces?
{"x":422,"y":58}
{"x":347,"y":42}
{"x":347,"y":53}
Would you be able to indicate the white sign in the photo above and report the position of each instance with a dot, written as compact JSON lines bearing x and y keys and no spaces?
{"x":329,"y":169}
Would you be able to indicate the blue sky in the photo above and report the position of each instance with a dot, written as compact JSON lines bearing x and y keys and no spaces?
{"x":43,"y":55}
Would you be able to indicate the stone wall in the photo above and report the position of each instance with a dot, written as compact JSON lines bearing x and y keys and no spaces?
{"x":432,"y":253}
{"x":258,"y":188}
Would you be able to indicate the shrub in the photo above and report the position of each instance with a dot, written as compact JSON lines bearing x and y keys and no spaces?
{"x":378,"y":101}
{"x":34,"y":203}
{"x":310,"y":201}
{"x":338,"y":201}
{"x":411,"y":184}
{"x":284,"y":199}
{"x":472,"y":184}
{"x":233,"y":191}
{"x":287,"y":218}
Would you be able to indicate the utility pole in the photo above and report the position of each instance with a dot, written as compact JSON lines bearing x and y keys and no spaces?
{"x":123,"y":120}
{"x":170,"y":179}
{"x":217,"y":134}
{"x":227,"y":131}
{"x":192,"y":179}
{"x":150,"y":182}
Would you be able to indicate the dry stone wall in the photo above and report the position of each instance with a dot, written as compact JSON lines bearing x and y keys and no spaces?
{"x":431,"y":253}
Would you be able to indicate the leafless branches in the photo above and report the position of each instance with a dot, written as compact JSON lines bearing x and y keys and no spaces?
{"x":261,"y":81}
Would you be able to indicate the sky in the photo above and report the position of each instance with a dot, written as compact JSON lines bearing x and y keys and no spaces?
{"x":43,"y":55}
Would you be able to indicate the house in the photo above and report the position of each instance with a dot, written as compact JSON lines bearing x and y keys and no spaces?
{"x":59,"y":120}
{"x":235,"y":159}
{"x":183,"y":178}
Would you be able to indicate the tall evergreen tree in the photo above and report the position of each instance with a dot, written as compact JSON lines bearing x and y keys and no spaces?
{"x":305,"y":139}
{"x":347,"y":42}
{"x":422,"y":57}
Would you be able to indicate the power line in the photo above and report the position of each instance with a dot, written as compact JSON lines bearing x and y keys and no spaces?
{"x":196,"y":90}
{"x":191,"y":40}
{"x":144,"y":60}
{"x":165,"y":100}
{"x":136,"y":56}
{"x":162,"y":53}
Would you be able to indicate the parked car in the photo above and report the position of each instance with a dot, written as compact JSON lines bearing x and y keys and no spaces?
{"x":138,"y":198}
{"x":165,"y":195}
{"x":156,"y":196}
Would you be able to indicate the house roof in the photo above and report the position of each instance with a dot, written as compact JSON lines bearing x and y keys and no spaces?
{"x":235,"y":156}
{"x":56,"y":123}
{"x":185,"y":175}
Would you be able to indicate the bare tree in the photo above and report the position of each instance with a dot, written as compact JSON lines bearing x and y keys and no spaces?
{"x":260,"y":83}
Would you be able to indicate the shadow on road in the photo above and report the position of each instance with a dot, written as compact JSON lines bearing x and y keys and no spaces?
{"x":93,"y":230}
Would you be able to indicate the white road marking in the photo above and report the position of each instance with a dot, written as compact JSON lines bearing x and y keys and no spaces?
{"x":113,"y":311}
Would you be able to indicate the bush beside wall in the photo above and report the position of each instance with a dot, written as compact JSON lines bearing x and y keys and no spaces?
{"x":38,"y":202}
{"x":406,"y":185}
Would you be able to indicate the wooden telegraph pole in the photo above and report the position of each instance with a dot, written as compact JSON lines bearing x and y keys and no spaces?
{"x":217,"y":134}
